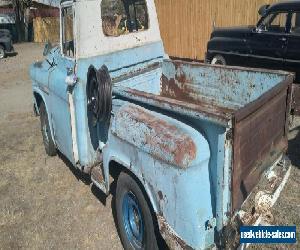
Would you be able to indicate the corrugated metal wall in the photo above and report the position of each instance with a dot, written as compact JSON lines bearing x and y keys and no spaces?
{"x":186,"y":25}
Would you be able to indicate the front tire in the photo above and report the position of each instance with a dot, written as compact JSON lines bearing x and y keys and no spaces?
{"x":218,"y":60}
{"x":134,"y":217}
{"x":46,"y":132}
{"x":2,"y":52}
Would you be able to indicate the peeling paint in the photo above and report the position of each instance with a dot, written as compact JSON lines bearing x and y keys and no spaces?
{"x":154,"y":135}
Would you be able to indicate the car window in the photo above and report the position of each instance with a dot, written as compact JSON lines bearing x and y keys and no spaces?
{"x":67,"y":32}
{"x":121,"y":17}
{"x":275,"y":22}
{"x":295,"y":25}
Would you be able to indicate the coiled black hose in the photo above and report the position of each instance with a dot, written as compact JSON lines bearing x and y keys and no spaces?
{"x":99,"y":93}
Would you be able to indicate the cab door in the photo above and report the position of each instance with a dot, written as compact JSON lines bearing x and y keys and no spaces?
{"x":269,"y":41}
{"x":59,"y":89}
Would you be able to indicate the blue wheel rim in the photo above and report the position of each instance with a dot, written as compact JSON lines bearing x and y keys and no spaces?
{"x":133,"y":220}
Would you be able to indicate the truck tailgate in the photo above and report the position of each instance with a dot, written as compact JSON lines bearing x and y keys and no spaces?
{"x":260,"y":138}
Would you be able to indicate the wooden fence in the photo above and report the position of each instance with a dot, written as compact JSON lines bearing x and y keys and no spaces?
{"x":46,"y":29}
{"x":186,"y":25}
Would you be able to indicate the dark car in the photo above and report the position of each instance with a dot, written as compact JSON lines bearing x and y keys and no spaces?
{"x":273,"y":43}
{"x":6,"y":45}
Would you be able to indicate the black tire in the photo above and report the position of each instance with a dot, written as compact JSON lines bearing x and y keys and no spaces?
{"x":2,"y":52}
{"x":127,"y":185}
{"x":46,"y":133}
{"x":218,"y":60}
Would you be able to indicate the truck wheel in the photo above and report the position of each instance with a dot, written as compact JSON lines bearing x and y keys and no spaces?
{"x":2,"y":52}
{"x":218,"y":60}
{"x":134,"y":217}
{"x":46,"y":133}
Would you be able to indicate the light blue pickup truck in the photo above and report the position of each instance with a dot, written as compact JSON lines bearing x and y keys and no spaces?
{"x":196,"y":150}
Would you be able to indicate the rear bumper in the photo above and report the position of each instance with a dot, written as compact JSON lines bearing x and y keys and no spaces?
{"x":256,"y":209}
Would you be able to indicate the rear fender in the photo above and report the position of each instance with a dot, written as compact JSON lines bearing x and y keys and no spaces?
{"x":170,"y":159}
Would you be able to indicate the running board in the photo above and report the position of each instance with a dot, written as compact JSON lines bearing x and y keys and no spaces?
{"x":97,"y":177}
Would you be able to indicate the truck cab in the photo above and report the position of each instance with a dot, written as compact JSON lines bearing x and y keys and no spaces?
{"x":187,"y":143}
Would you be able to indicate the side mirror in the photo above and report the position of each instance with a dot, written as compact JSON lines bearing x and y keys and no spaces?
{"x":263,"y":10}
{"x":47,"y":48}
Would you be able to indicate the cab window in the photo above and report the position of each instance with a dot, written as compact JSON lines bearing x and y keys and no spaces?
{"x":121,"y":17}
{"x":275,"y":22}
{"x":295,"y":25}
{"x":67,"y":32}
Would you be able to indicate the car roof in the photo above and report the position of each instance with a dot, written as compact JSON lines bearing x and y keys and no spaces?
{"x":285,"y":6}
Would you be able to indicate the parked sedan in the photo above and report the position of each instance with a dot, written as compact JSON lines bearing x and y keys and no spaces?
{"x":273,"y":43}
{"x":6,"y":45}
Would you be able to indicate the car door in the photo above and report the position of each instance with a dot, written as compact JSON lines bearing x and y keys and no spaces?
{"x":59,"y":90}
{"x":268,"y":42}
{"x":292,"y":58}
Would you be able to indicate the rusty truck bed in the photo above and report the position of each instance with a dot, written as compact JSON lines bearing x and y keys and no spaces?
{"x":254,"y":104}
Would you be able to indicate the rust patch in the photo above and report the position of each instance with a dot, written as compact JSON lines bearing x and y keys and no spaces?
{"x":172,"y":239}
{"x":160,"y":195}
{"x":184,"y":90}
{"x":97,"y":173}
{"x":171,"y":88}
{"x":171,"y":102}
{"x":154,"y":135}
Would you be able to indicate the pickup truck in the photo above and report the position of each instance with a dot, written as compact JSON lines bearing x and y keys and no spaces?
{"x":196,"y":150}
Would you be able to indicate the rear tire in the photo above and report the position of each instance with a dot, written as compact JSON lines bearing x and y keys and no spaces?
{"x":2,"y":52}
{"x":134,"y":217}
{"x":218,"y":60}
{"x":46,"y":132}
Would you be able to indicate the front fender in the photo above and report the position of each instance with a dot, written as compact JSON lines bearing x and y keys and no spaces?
{"x":228,"y":44}
{"x":44,"y":97}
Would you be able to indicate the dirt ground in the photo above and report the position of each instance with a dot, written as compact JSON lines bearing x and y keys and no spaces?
{"x":44,"y":202}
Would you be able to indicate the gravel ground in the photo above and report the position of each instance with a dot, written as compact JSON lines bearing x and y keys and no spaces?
{"x":45,"y":202}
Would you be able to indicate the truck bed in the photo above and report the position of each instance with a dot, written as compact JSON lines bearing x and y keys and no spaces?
{"x":254,"y":104}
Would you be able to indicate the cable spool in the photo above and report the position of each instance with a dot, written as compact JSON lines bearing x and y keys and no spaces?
{"x":99,"y":94}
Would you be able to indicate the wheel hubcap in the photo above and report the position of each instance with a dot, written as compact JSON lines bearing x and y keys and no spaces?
{"x":216,"y":61}
{"x":132,"y":220}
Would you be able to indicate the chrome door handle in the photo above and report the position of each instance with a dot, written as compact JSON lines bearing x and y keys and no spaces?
{"x":283,"y":39}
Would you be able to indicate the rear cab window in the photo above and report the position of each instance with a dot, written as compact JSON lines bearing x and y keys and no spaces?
{"x":120,"y":17}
